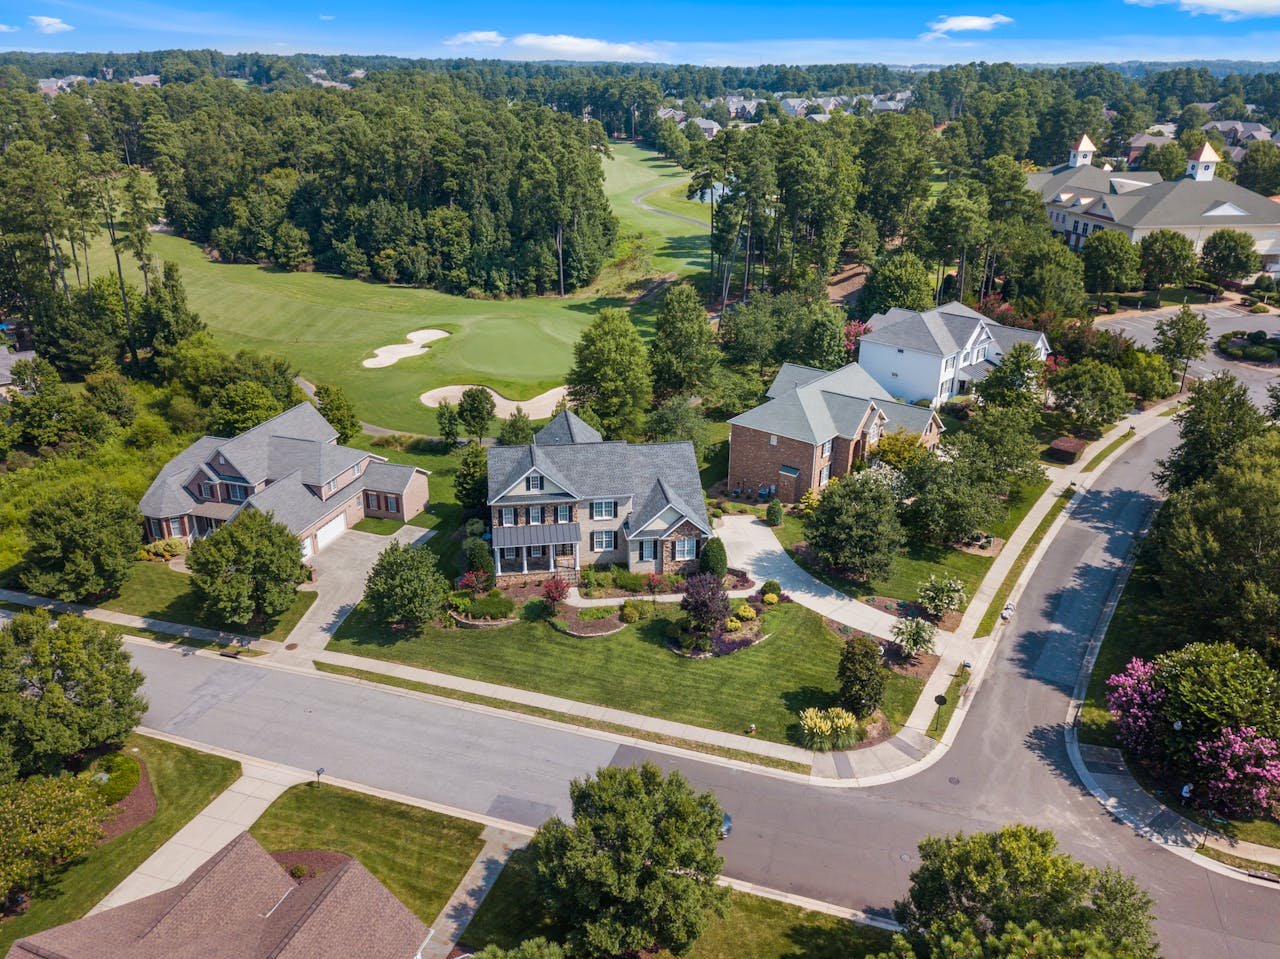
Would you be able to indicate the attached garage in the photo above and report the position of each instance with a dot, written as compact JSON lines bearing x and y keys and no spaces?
{"x":331,"y":530}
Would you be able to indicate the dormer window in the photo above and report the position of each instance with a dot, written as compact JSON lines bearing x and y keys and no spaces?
{"x":533,"y":483}
{"x":331,"y":485}
{"x":355,"y":470}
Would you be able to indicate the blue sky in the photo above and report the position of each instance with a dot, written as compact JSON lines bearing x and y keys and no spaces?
{"x":674,"y":31}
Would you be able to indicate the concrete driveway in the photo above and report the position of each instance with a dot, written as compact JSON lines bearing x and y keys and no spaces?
{"x":1222,"y":319}
{"x":341,"y":568}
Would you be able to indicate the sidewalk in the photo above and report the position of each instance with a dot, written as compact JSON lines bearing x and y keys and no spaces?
{"x":230,"y":814}
{"x":461,"y":908}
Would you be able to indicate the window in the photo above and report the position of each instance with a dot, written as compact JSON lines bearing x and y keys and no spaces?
{"x":980,"y":355}
{"x":393,"y":505}
{"x":157,"y":531}
{"x":604,"y":509}
{"x":901,"y":351}
{"x":507,"y":516}
{"x":206,"y":491}
{"x":533,"y":482}
{"x":564,"y":549}
{"x":825,"y":476}
{"x":535,"y":552}
{"x":601,"y":540}
{"x":331,"y":485}
{"x":773,"y":440}
{"x":236,"y":492}
{"x":646,"y":550}
{"x":371,"y":500}
{"x":508,"y":552}
{"x":535,"y":515}
{"x":950,"y":364}
{"x":964,"y":358}
{"x":873,"y":432}
{"x":686,"y":549}
{"x":826,"y":449}
{"x":355,"y":470}
{"x":562,"y":514}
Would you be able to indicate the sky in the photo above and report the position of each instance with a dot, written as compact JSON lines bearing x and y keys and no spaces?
{"x":713,"y":32}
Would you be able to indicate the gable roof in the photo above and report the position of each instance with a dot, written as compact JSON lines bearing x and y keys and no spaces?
{"x":167,"y":496}
{"x":250,"y":452}
{"x":940,"y":331}
{"x":814,"y":406}
{"x":242,"y":903}
{"x":567,"y":428}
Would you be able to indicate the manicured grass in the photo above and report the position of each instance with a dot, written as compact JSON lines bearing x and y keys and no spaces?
{"x":672,"y":199}
{"x":556,"y":716}
{"x":988,"y":622}
{"x":1238,"y":861}
{"x":184,"y":782}
{"x":755,"y":927}
{"x":713,"y":465}
{"x":767,"y":684}
{"x":419,"y":855}
{"x":942,"y":715}
{"x":900,"y":695}
{"x":326,"y":325}
{"x":378,"y":526}
{"x":155,"y":591}
{"x":1107,"y":450}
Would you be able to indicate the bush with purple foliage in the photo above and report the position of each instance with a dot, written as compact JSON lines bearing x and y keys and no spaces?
{"x":1134,"y":700}
{"x":705,"y":601}
{"x":1240,"y":772}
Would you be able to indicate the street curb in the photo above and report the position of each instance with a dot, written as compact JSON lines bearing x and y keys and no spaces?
{"x":1111,"y":804}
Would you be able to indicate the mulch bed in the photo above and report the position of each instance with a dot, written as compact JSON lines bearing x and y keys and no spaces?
{"x":134,"y":809}
{"x":588,"y":627}
{"x":903,"y":609}
{"x":993,"y":550}
{"x":316,"y":861}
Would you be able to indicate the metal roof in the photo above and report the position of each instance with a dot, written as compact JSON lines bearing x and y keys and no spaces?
{"x":537,"y":534}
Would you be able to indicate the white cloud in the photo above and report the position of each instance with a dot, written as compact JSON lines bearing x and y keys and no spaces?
{"x":50,"y":24}
{"x":941,"y":28}
{"x":477,"y":38}
{"x":5,"y":28}
{"x":1226,"y":9}
{"x":561,"y":46}
{"x":326,"y":16}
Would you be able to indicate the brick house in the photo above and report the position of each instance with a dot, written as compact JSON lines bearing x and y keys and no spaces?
{"x":815,"y":426}
{"x":571,"y":499}
{"x":292,"y":467}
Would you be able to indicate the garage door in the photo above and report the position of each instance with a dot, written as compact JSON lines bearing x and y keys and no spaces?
{"x":306,"y":548}
{"x":331,"y":530}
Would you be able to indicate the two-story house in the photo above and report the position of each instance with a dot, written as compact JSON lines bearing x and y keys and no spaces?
{"x":939,"y":353}
{"x":292,"y":467}
{"x":815,"y":426}
{"x":570,"y":499}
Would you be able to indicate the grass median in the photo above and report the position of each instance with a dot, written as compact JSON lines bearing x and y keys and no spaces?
{"x":988,"y":622}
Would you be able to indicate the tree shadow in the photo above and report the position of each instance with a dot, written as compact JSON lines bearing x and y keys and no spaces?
{"x":837,"y":940}
{"x":1048,"y":743}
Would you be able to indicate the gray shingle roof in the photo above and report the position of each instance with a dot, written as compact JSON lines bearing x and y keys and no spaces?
{"x":250,"y":452}
{"x":166,"y":495}
{"x":387,"y":477}
{"x":814,"y":406}
{"x":567,"y":428}
{"x":940,"y":331}
{"x":646,"y":474}
{"x":290,"y":502}
{"x":7,"y":360}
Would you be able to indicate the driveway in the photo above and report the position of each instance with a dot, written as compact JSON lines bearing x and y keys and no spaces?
{"x":341,"y":568}
{"x":1222,"y":319}
{"x":752,"y":546}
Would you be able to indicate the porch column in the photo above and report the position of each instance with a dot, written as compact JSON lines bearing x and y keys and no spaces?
{"x":575,"y":555}
{"x":524,"y":559}
{"x":497,"y":560}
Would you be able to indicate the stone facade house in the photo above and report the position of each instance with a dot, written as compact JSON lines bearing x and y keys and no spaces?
{"x":937,"y":354}
{"x":815,"y":426}
{"x":571,"y":499}
{"x":292,"y":467}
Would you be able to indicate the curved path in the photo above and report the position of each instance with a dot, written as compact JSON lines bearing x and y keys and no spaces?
{"x":639,"y":198}
{"x":852,"y":847}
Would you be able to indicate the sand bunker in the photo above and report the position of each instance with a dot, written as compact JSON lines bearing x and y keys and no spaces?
{"x":538,"y":408}
{"x":417,"y":345}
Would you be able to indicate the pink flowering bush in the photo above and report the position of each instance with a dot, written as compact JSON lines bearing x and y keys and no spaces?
{"x":854,"y":332}
{"x":555,"y":590}
{"x":1134,"y":698}
{"x":1240,"y":772}
{"x":474,"y":581}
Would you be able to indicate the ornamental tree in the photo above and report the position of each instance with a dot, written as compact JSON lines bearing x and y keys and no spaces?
{"x":1181,"y":338}
{"x":914,"y":635}
{"x":636,"y":870}
{"x":705,"y":601}
{"x":44,"y":823}
{"x":714,"y":560}
{"x":475,"y":410}
{"x":1133,"y":699}
{"x":83,"y":540}
{"x":65,"y":687}
{"x":939,"y":596}
{"x":404,"y":587}
{"x":861,"y":676}
{"x":250,"y":568}
{"x":1239,"y":771}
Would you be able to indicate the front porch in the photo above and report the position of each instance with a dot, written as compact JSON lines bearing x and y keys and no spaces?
{"x":545,"y":549}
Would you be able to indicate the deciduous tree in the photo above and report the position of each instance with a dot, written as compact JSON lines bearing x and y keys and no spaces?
{"x":336,"y":408}
{"x":897,"y":280}
{"x":83,"y":540}
{"x":1167,"y":257}
{"x":1089,"y":392}
{"x":241,"y":406}
{"x":250,"y":568}
{"x":1111,"y":262}
{"x":610,"y":376}
{"x":636,"y":871}
{"x":475,"y":410}
{"x":1017,"y":381}
{"x":1181,"y":338}
{"x":448,"y":424}
{"x":404,"y":587}
{"x":683,"y":351}
{"x":1229,"y":255}
{"x":44,"y":823}
{"x":706,"y":601}
{"x":855,"y":528}
{"x":1217,"y":418}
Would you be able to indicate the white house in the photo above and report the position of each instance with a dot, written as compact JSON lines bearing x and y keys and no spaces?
{"x":939,"y":353}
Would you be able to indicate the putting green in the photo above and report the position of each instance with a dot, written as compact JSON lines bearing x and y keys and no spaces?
{"x":328,"y":325}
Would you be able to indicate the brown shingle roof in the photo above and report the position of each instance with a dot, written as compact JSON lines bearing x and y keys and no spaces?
{"x":241,"y":904}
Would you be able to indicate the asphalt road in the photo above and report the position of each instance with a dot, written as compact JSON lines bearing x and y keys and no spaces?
{"x":848,"y":846}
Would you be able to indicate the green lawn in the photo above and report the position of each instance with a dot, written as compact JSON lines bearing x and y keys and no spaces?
{"x":713,"y":465}
{"x":184,"y":782}
{"x":158,"y":592}
{"x":988,"y":621}
{"x":768,"y":684}
{"x":1107,"y":450}
{"x":326,"y":325}
{"x":378,"y":526}
{"x":942,"y":715}
{"x":755,"y":927}
{"x":419,"y":855}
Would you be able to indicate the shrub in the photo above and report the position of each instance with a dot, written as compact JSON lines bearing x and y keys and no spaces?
{"x":555,"y":590}
{"x":809,"y":501}
{"x":629,"y":613}
{"x":939,"y":596}
{"x":769,"y":599}
{"x":732,"y":624}
{"x":626,"y":580}
{"x":771,"y":586}
{"x":589,"y":614}
{"x":914,"y":635}
{"x":824,"y":729}
{"x":1134,"y":699}
{"x":475,"y":581}
{"x":1150,"y":300}
{"x":298,"y":871}
{"x":123,"y":774}
{"x":492,"y":607}
{"x":1258,"y":354}
{"x":773,"y":515}
{"x":478,"y":555}
{"x":861,"y":676}
{"x":714,"y":560}
{"x":460,"y":601}
{"x":1257,"y":337}
{"x":705,"y":601}
{"x":475,"y":526}
{"x":1259,"y":308}
{"x":745,"y":613}
{"x":163,"y":549}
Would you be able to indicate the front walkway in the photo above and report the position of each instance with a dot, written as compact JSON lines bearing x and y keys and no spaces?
{"x":230,"y":814}
{"x":461,"y":908}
